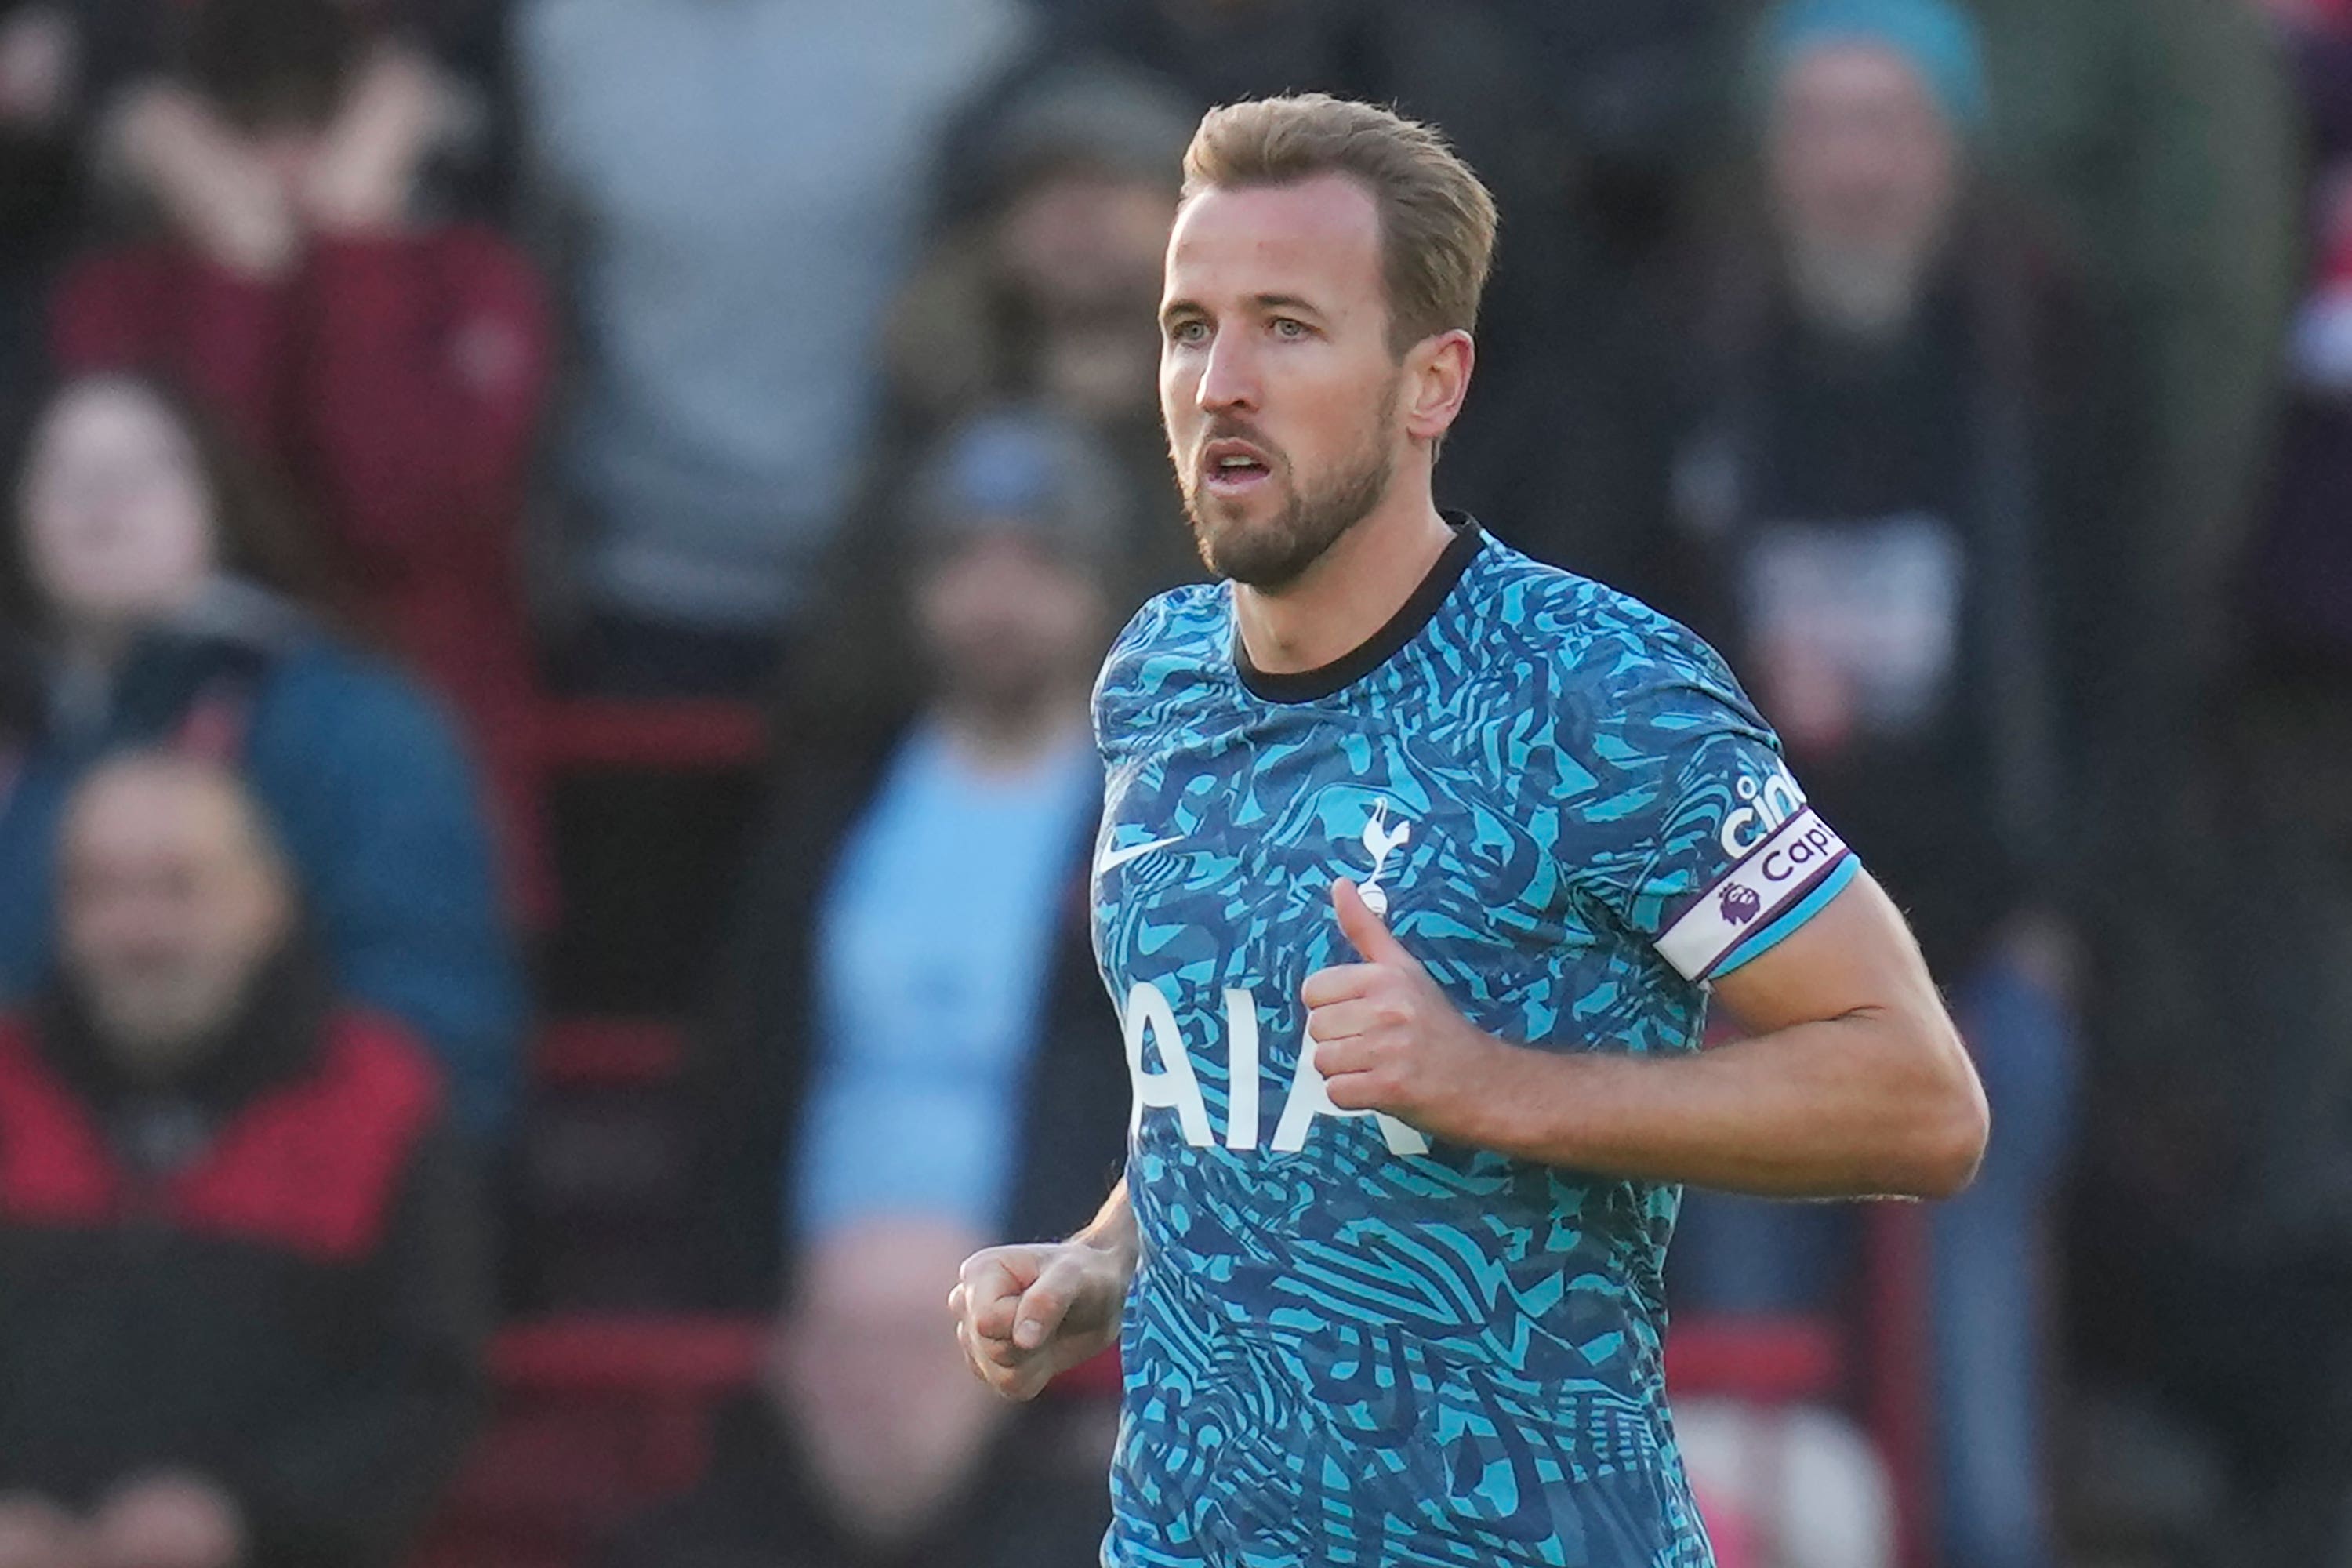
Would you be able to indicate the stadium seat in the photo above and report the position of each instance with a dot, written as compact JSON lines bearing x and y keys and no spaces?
{"x":597,"y":1417}
{"x":667,"y":736}
{"x":591,"y":1052}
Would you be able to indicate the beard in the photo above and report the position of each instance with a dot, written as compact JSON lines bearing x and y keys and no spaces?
{"x":1274,"y":554}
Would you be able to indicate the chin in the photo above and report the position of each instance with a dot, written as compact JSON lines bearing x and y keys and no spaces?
{"x":1262,"y":561}
{"x":1233,"y":531}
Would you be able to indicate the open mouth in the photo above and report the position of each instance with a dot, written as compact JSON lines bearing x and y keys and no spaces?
{"x":1230,"y":468}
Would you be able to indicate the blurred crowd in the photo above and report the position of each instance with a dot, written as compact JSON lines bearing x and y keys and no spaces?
{"x":384,"y":374}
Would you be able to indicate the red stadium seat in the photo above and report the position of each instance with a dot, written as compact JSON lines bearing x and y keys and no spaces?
{"x":608,"y":1053}
{"x":596,"y":1418}
{"x":1765,"y":1361}
{"x":662,"y":737}
{"x":1877,"y":1365}
{"x":599,"y":1416}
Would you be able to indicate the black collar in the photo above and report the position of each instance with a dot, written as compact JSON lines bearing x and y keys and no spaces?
{"x":1310,"y":685}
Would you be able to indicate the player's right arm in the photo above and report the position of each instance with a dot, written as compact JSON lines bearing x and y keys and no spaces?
{"x":1025,"y":1314}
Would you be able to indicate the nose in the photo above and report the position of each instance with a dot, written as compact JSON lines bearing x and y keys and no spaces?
{"x":1228,"y":378}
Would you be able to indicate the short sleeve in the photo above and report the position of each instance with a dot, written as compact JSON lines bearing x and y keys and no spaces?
{"x":1697,"y":836}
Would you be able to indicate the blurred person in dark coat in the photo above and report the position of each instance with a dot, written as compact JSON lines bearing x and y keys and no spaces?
{"x":165,"y":602}
{"x":389,"y":363}
{"x":2213,"y":1237}
{"x":2163,"y":133}
{"x":43,"y":108}
{"x":1896,"y":465}
{"x":916,"y":1051}
{"x":1467,"y":67}
{"x":1044,"y":288}
{"x":243,"y":1278}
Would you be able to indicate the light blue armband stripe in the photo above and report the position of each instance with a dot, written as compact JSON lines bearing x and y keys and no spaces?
{"x":1780,"y":929}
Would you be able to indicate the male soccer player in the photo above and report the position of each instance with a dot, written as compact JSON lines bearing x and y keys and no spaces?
{"x":1418,"y":862}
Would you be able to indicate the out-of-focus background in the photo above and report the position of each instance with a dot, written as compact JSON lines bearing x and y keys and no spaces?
{"x":554,"y":554}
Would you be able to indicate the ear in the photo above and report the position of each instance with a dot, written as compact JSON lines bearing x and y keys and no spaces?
{"x":1436,"y":379}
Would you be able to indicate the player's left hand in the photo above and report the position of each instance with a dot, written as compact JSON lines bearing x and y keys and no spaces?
{"x":1385,"y":1037}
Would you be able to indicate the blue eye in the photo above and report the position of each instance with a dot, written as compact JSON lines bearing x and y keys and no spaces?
{"x":1191,"y":331}
{"x":1284,"y":327}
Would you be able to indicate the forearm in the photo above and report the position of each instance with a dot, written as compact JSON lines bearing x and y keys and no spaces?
{"x":1856,"y":1106}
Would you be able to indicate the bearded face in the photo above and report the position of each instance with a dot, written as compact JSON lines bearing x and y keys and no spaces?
{"x":1260,"y":520}
{"x":1278,"y":385}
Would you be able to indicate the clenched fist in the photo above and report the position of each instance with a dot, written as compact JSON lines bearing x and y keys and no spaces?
{"x":1385,"y":1037}
{"x":1026,"y":1314}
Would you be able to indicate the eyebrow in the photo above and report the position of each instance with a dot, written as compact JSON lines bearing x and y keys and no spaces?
{"x":1284,"y":302}
{"x":1176,"y":308}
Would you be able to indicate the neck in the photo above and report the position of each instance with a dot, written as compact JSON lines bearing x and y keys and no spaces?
{"x":1004,"y":736}
{"x":1351,"y":591}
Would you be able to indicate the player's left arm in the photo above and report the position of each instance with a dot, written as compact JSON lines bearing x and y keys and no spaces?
{"x":1853,"y":1083}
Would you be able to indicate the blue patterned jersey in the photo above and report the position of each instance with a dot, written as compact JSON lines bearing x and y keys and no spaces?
{"x":1346,"y":1345}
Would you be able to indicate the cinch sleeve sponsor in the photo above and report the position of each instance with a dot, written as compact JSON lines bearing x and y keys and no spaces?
{"x":1799,"y":858}
{"x":1693,"y":834}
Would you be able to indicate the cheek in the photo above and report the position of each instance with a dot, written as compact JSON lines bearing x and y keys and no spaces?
{"x":1177,"y":384}
{"x":52,"y":543}
{"x":145,"y":550}
{"x":1334,"y":416}
{"x":933,"y":612}
{"x":112,"y":930}
{"x":178,"y":534}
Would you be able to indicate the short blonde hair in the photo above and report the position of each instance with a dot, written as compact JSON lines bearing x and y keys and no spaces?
{"x":1437,"y":221}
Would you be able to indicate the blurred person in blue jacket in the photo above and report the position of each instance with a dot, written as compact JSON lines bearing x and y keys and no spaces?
{"x":148,"y":566}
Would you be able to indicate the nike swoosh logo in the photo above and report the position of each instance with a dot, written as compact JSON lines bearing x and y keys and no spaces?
{"x":1112,"y":859}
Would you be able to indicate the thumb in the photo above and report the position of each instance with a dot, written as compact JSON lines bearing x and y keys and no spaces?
{"x":1043,"y":1307}
{"x":1363,"y":928}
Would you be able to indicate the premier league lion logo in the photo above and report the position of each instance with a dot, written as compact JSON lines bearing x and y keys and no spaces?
{"x":1740,"y":905}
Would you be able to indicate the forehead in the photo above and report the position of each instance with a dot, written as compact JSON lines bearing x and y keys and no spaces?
{"x":1856,"y":74}
{"x":1317,"y":239}
{"x":142,"y":814}
{"x":98,"y":420}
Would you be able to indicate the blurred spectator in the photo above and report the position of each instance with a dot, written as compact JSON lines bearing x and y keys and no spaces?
{"x":2296,"y":719}
{"x":1898,"y":461}
{"x":1634,"y":89}
{"x":2163,"y":131}
{"x":1050,"y":290}
{"x":148,"y":565}
{"x":917,"y":987}
{"x":2304,"y":573}
{"x":393,"y":367}
{"x":41,"y":111}
{"x":1459,"y":66}
{"x":124,"y":49}
{"x":242,"y":1277}
{"x":2213,"y":1240}
{"x":732,"y":196}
